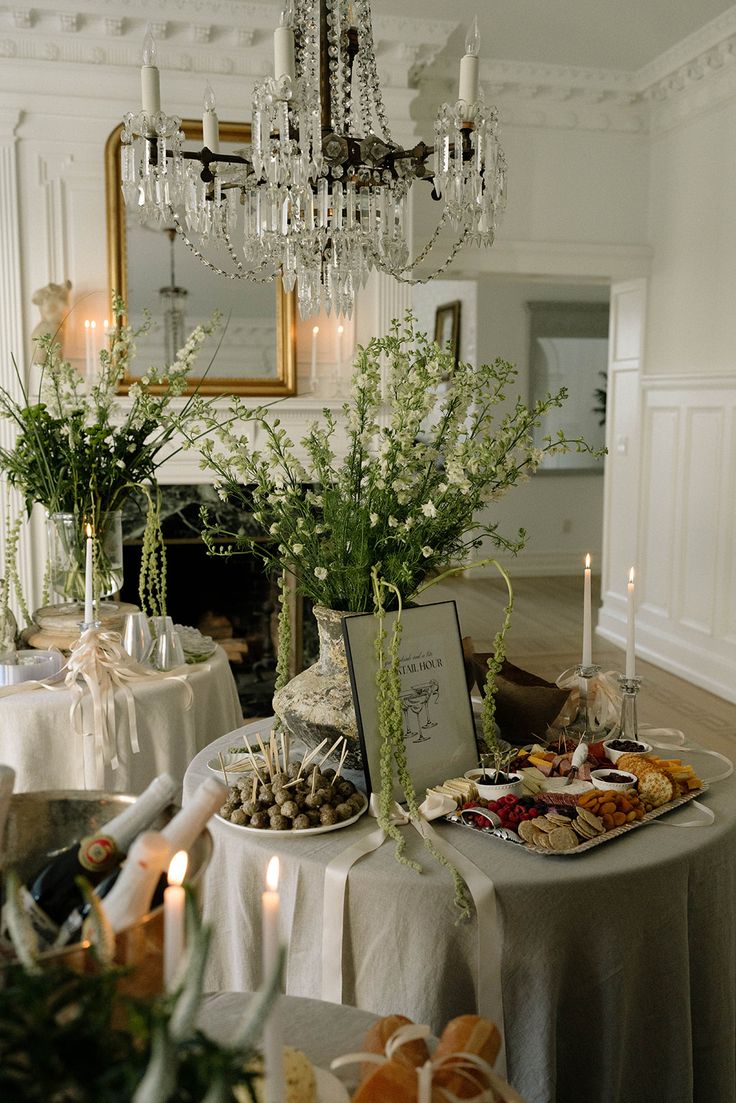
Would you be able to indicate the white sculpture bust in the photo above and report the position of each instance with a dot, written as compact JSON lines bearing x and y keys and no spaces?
{"x":53,"y":302}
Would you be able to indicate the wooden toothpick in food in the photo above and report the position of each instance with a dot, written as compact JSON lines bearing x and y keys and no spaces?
{"x":326,"y":756}
{"x":222,"y":767}
{"x":343,"y":756}
{"x":253,"y":760}
{"x":308,"y":758}
{"x":255,"y":789}
{"x":266,"y":756}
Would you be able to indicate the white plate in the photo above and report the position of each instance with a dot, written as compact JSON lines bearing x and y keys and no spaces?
{"x":329,"y":1088}
{"x":321,"y":830}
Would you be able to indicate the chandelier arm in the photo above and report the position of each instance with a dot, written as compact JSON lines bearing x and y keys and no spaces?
{"x":418,"y":281}
{"x":243,"y":274}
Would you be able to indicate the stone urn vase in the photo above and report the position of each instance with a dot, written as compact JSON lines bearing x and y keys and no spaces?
{"x":318,"y":703}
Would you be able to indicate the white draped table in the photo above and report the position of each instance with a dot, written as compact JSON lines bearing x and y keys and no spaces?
{"x":38,"y":741}
{"x":619,"y":965}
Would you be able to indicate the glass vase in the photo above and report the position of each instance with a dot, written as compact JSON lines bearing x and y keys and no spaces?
{"x":67,"y":551}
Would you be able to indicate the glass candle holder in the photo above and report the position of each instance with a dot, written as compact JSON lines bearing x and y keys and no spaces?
{"x":583,"y":723}
{"x":628,"y":725}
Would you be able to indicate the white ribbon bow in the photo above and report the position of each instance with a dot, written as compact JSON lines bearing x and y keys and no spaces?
{"x":98,"y":665}
{"x":467,"y":1065}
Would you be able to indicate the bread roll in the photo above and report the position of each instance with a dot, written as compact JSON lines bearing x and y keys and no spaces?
{"x":466,"y":1034}
{"x":391,"y":1083}
{"x":410,"y":1055}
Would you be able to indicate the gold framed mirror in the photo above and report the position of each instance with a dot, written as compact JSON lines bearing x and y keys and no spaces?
{"x":257,"y":353}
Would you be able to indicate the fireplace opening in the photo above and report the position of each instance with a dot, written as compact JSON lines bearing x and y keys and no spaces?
{"x":231,"y":599}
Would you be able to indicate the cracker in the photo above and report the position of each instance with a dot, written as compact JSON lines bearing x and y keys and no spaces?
{"x":543,"y":823}
{"x":527,"y":831}
{"x":591,"y":818}
{"x":584,"y":829}
{"x":562,"y":838}
{"x":541,"y":839}
{"x":558,"y":819}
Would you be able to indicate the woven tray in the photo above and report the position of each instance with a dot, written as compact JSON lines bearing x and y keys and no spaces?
{"x":607,"y":837}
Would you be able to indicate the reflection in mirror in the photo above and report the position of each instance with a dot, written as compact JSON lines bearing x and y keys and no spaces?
{"x":569,"y":348}
{"x":152,"y":268}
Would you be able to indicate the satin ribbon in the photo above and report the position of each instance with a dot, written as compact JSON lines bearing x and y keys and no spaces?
{"x":681,"y":745}
{"x":603,"y":693}
{"x":99,"y":666}
{"x":480,"y":886}
{"x":467,"y":1065}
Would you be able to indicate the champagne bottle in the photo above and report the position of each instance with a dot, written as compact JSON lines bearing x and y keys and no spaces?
{"x":52,"y":893}
{"x":142,"y":880}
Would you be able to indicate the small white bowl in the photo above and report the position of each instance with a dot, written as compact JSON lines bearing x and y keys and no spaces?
{"x":598,"y":782}
{"x":493,"y":792}
{"x":614,"y":755}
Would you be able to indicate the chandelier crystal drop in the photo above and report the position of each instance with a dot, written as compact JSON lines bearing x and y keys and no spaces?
{"x":320,"y":196}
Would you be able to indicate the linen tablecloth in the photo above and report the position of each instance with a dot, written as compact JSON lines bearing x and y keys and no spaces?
{"x":36,"y":738}
{"x":619,"y":965}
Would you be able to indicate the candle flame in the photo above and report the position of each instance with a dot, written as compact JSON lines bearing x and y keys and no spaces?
{"x":272,"y":874}
{"x":315,"y":330}
{"x":631,"y":576}
{"x":88,"y":531}
{"x":587,"y":562}
{"x":93,"y":325}
{"x":178,"y":867}
{"x":87,"y":323}
{"x":341,"y":329}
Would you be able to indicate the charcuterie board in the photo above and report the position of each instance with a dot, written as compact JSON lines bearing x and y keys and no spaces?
{"x":462,"y":816}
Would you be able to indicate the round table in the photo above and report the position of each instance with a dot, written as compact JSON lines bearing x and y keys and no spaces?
{"x":37,"y":740}
{"x":619,"y":965}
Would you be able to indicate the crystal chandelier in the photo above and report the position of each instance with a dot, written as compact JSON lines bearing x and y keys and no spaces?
{"x":320,"y":195}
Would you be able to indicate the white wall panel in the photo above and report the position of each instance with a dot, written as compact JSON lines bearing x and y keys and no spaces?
{"x":697,"y":538}
{"x":661,"y":523}
{"x":686,"y":619}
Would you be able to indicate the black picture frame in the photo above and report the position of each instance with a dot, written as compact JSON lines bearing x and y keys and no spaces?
{"x":447,"y":328}
{"x":438,"y":716}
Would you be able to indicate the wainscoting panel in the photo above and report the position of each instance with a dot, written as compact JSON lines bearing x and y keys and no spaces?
{"x":686,"y":619}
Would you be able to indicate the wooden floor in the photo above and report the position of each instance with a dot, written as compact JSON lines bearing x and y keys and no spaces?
{"x":545,"y":638}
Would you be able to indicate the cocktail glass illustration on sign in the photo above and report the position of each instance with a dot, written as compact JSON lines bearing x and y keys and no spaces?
{"x":416,"y":701}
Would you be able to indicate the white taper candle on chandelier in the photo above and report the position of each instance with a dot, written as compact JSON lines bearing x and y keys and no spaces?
{"x":630,"y":628}
{"x":587,"y":637}
{"x":284,"y":64}
{"x":468,"y":85}
{"x":88,"y":575}
{"x":174,"y":918}
{"x":273,"y":1040}
{"x":210,"y":122}
{"x":150,"y":80}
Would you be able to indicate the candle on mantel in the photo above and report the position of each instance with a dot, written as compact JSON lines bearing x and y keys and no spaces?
{"x":210,"y":122}
{"x":174,"y":913}
{"x":88,"y":354}
{"x":313,"y":368}
{"x":273,"y":1041}
{"x":88,"y":573}
{"x":468,"y":85}
{"x":587,"y":641}
{"x":150,"y":81}
{"x":338,"y":351}
{"x":630,"y":634}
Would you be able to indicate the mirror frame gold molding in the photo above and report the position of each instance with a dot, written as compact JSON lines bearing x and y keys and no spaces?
{"x":285,"y":381}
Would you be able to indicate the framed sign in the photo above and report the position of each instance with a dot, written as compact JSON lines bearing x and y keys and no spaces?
{"x":437,"y":715}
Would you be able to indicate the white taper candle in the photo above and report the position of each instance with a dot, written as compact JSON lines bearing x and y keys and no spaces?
{"x":88,"y":577}
{"x":587,"y":638}
{"x":630,"y":629}
{"x":174,"y":910}
{"x":273,"y":1040}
